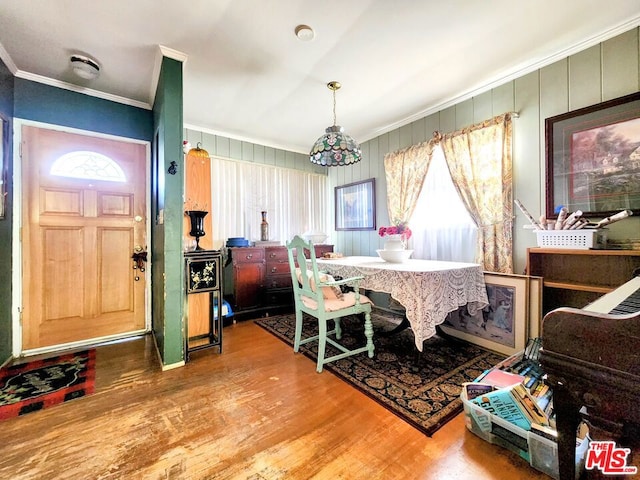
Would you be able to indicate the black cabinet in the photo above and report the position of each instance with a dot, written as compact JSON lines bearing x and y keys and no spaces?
{"x":204,"y":304}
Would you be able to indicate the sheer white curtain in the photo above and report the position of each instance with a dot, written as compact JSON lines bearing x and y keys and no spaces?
{"x":295,"y":201}
{"x":442,"y":227}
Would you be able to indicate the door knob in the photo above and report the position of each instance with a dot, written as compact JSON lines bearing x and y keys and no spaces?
{"x":139,"y":258}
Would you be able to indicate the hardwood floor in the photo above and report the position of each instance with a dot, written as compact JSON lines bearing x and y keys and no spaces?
{"x":257,"y":411}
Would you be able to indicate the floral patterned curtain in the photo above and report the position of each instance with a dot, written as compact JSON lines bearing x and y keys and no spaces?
{"x":480,"y":162}
{"x":405,"y":171}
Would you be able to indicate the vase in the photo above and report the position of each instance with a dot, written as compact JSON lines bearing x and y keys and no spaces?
{"x":264,"y":228}
{"x":394,"y":242}
{"x":197,"y":225}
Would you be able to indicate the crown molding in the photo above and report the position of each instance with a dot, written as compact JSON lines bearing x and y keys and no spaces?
{"x":253,"y":140}
{"x":86,"y":91}
{"x":8,"y":61}
{"x":155,"y":76}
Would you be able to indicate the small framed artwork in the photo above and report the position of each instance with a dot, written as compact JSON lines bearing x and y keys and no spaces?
{"x":356,"y":205}
{"x":593,"y":159}
{"x":502,"y":326}
{"x":535,"y":307}
{"x":203,"y":272}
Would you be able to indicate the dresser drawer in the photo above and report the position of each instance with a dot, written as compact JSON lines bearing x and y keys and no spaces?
{"x":278,"y":298}
{"x":247,"y":255}
{"x":276,"y":255}
{"x":278,"y":281}
{"x":277,"y":268}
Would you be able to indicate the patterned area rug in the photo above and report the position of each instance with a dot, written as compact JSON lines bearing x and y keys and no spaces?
{"x":422,"y":388}
{"x":40,"y":384}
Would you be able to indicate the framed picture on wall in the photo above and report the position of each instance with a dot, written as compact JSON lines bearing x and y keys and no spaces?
{"x":593,"y":159}
{"x":502,"y":326}
{"x":356,"y":205}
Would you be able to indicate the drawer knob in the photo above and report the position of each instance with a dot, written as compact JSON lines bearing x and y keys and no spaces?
{"x":249,"y":256}
{"x":591,"y":400}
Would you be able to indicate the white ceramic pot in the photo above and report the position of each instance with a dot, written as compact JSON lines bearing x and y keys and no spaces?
{"x":394,"y":242}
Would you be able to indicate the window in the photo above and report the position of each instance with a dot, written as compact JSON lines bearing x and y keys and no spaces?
{"x":295,"y":201}
{"x":88,"y":165}
{"x":442,"y":228}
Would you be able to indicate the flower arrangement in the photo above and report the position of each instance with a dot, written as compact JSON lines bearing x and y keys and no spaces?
{"x":401,"y":229}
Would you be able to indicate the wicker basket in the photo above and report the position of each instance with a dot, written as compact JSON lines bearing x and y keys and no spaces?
{"x":577,"y":239}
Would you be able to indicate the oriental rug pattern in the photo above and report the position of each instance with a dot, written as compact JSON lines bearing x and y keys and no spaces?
{"x":422,"y":388}
{"x":36,"y":385}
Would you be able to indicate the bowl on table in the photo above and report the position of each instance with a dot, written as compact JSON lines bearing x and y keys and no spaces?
{"x":394,"y":256}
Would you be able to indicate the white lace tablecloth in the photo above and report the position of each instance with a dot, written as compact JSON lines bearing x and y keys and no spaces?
{"x":428,"y":289}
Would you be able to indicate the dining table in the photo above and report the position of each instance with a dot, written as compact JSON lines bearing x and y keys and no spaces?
{"x":427,"y":289}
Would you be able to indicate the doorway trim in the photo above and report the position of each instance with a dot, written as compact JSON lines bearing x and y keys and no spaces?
{"x":16,"y":247}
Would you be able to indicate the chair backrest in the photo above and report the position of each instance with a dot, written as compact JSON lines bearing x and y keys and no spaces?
{"x":304,"y":277}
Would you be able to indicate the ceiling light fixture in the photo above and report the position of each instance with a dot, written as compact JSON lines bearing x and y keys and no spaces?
{"x":335,"y":148}
{"x":304,"y":33}
{"x":85,"y":67}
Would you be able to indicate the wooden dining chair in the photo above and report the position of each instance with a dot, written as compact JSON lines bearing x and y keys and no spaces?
{"x":319,"y":295}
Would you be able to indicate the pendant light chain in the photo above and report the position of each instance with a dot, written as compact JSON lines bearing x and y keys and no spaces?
{"x":334,"y":106}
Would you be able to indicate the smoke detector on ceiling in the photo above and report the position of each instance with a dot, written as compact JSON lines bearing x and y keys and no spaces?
{"x":85,"y":67}
{"x":304,"y":33}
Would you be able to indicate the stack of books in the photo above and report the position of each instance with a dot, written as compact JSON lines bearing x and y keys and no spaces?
{"x":513,"y":403}
{"x":515,"y":390}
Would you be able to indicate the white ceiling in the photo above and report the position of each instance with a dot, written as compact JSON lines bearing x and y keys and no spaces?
{"x":248,"y":77}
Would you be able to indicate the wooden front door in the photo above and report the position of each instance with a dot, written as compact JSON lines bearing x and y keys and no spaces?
{"x":83,"y":218}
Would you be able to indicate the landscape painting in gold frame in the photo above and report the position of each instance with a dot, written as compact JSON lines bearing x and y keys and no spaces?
{"x":502,"y":326}
{"x":592,"y":158}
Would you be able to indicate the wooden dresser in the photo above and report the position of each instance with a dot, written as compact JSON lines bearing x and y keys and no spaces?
{"x":277,"y":279}
{"x":248,"y":265}
{"x":260,"y":280}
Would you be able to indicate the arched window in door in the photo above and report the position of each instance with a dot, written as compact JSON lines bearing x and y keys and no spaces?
{"x":88,"y":165}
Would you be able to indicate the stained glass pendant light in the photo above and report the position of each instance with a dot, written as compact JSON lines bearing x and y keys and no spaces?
{"x":335,"y":148}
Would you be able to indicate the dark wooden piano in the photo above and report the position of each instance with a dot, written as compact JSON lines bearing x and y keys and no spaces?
{"x":592,"y":359}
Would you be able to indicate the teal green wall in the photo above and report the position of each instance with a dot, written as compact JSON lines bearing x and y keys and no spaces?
{"x":57,"y":106}
{"x":167,"y":191}
{"x":6,"y":113}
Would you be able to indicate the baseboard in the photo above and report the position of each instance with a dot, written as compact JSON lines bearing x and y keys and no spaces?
{"x":161,"y":362}
{"x":7,"y":361}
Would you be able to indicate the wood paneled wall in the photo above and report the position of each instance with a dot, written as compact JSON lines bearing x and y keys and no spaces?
{"x":225,"y":147}
{"x":602,"y":72}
